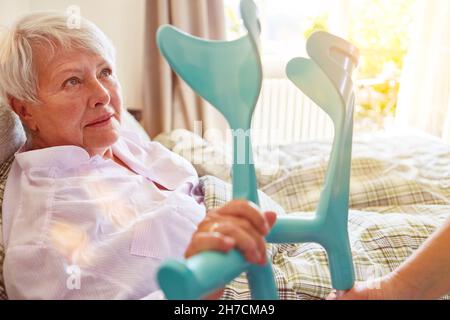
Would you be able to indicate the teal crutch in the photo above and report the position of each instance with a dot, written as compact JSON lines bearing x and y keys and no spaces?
{"x":228,"y":75}
{"x":327,"y":79}
{"x":336,"y":58}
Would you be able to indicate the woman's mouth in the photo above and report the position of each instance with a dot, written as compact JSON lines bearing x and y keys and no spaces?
{"x":100,"y":122}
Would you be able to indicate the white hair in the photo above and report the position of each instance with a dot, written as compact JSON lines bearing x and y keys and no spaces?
{"x":18,"y":76}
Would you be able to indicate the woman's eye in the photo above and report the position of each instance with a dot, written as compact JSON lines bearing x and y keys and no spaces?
{"x":106,"y":72}
{"x":71,"y":82}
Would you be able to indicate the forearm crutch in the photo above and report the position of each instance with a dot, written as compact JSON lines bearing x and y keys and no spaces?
{"x":228,"y":75}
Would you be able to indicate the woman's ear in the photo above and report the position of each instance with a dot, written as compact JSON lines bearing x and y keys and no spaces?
{"x":24,"y":111}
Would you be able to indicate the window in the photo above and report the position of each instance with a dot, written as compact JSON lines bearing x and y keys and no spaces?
{"x":379,"y":28}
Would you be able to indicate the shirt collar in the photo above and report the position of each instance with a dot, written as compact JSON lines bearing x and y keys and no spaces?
{"x":155,"y":162}
{"x":63,"y":157}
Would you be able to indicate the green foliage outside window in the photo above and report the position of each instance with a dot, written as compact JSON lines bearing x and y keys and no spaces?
{"x":381,"y":30}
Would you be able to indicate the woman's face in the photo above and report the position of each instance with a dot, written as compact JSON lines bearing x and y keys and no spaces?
{"x":80,"y":100}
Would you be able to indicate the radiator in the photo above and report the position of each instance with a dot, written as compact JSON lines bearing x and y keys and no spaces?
{"x":285,"y":115}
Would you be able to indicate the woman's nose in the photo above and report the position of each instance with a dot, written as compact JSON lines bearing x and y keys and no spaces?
{"x":100,"y":95}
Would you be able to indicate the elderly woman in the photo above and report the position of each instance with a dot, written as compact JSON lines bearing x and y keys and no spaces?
{"x":90,"y":210}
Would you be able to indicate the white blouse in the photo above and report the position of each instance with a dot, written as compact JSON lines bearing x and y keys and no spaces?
{"x":76,"y":227}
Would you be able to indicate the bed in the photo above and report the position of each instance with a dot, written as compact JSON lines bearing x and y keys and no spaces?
{"x":399,"y":194}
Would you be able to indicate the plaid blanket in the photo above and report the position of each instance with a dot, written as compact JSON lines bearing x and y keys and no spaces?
{"x":399,"y":194}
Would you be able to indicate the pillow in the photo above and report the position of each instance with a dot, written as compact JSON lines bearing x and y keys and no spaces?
{"x":12,"y":135}
{"x":131,"y":124}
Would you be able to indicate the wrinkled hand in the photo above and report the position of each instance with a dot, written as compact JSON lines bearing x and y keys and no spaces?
{"x":238,"y":224}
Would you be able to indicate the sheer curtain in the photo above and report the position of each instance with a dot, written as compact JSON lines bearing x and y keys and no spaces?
{"x":425,"y":85}
{"x":168,"y":102}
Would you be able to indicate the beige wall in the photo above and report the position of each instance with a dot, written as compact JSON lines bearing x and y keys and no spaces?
{"x":122,"y":21}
